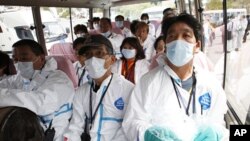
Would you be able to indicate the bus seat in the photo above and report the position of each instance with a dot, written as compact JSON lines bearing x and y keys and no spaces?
{"x":116,"y":30}
{"x":127,"y":24}
{"x":93,"y":32}
{"x":63,"y":49}
{"x":155,"y":23}
{"x":65,"y":65}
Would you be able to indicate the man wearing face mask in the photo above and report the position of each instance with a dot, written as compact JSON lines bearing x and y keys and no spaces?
{"x":80,"y":30}
{"x":119,"y":22}
{"x":99,"y":108}
{"x":96,"y":26}
{"x":39,"y":87}
{"x":145,"y":19}
{"x":115,"y":39}
{"x":177,"y":101}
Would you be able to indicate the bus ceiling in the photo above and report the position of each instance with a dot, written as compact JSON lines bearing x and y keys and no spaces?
{"x":74,"y":3}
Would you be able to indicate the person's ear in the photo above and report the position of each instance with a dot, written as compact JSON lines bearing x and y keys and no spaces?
{"x":113,"y":59}
{"x":197,"y":47}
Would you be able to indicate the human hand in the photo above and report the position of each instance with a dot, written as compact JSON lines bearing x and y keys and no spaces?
{"x":157,"y":133}
{"x":207,"y":133}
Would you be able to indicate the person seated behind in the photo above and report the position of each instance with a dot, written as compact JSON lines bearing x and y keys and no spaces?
{"x":79,"y":65}
{"x":145,"y":39}
{"x":7,"y":67}
{"x":145,"y":19}
{"x":103,"y":103}
{"x":80,"y":30}
{"x":160,"y":48}
{"x":167,"y":13}
{"x":133,"y":63}
{"x":133,"y":27}
{"x":96,"y":26}
{"x":177,"y":101}
{"x":119,"y":22}
{"x":39,"y":87}
{"x":115,"y":39}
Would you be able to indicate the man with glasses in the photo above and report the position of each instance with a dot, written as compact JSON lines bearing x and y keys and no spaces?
{"x":99,"y":107}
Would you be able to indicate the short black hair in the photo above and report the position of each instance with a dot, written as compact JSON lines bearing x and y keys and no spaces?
{"x":157,"y":40}
{"x":108,"y":20}
{"x":166,"y":10}
{"x":77,"y":41}
{"x":144,"y":15}
{"x":35,"y":47}
{"x":7,"y":63}
{"x":96,"y":19}
{"x":135,"y":43}
{"x":80,"y":27}
{"x":188,"y":19}
{"x":133,"y":26}
{"x":119,"y":16}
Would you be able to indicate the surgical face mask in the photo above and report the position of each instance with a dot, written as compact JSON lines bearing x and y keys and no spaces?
{"x":145,"y":21}
{"x":25,"y":69}
{"x":119,"y":24}
{"x":106,"y":34}
{"x":129,"y":53}
{"x":80,"y":35}
{"x":95,"y":67}
{"x":179,"y":52}
{"x":96,"y":26}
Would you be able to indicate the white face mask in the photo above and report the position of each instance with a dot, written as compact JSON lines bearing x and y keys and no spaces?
{"x":145,"y":21}
{"x":179,"y":52}
{"x":96,"y":26}
{"x":80,"y":35}
{"x":119,"y":24}
{"x":129,"y":53}
{"x":106,"y":34}
{"x":25,"y":69}
{"x":95,"y":67}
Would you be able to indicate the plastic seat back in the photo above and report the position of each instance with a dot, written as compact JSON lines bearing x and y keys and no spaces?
{"x":66,"y":66}
{"x":63,"y":49}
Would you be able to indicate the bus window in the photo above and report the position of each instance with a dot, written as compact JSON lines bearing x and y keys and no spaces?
{"x":79,"y":16}
{"x":13,"y":28}
{"x":134,"y":11}
{"x":55,"y":21}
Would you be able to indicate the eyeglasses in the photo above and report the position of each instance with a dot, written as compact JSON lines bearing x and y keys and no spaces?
{"x":98,"y":54}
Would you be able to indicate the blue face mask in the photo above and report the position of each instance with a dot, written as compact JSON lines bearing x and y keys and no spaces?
{"x":119,"y":24}
{"x":129,"y":53}
{"x":179,"y":52}
{"x":106,"y":34}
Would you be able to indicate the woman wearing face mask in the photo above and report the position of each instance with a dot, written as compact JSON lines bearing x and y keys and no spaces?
{"x":133,"y":63}
{"x":7,"y":67}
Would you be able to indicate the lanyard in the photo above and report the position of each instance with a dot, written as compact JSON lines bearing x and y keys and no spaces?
{"x":192,"y":94}
{"x":81,"y":76}
{"x":92,"y":117}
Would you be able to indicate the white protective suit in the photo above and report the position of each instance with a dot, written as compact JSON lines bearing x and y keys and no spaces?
{"x":107,"y":125}
{"x":49,"y":94}
{"x":81,"y":74}
{"x":116,"y":40}
{"x":151,"y":28}
{"x":126,"y":32}
{"x":148,"y":47}
{"x":141,"y":67}
{"x":154,"y":102}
